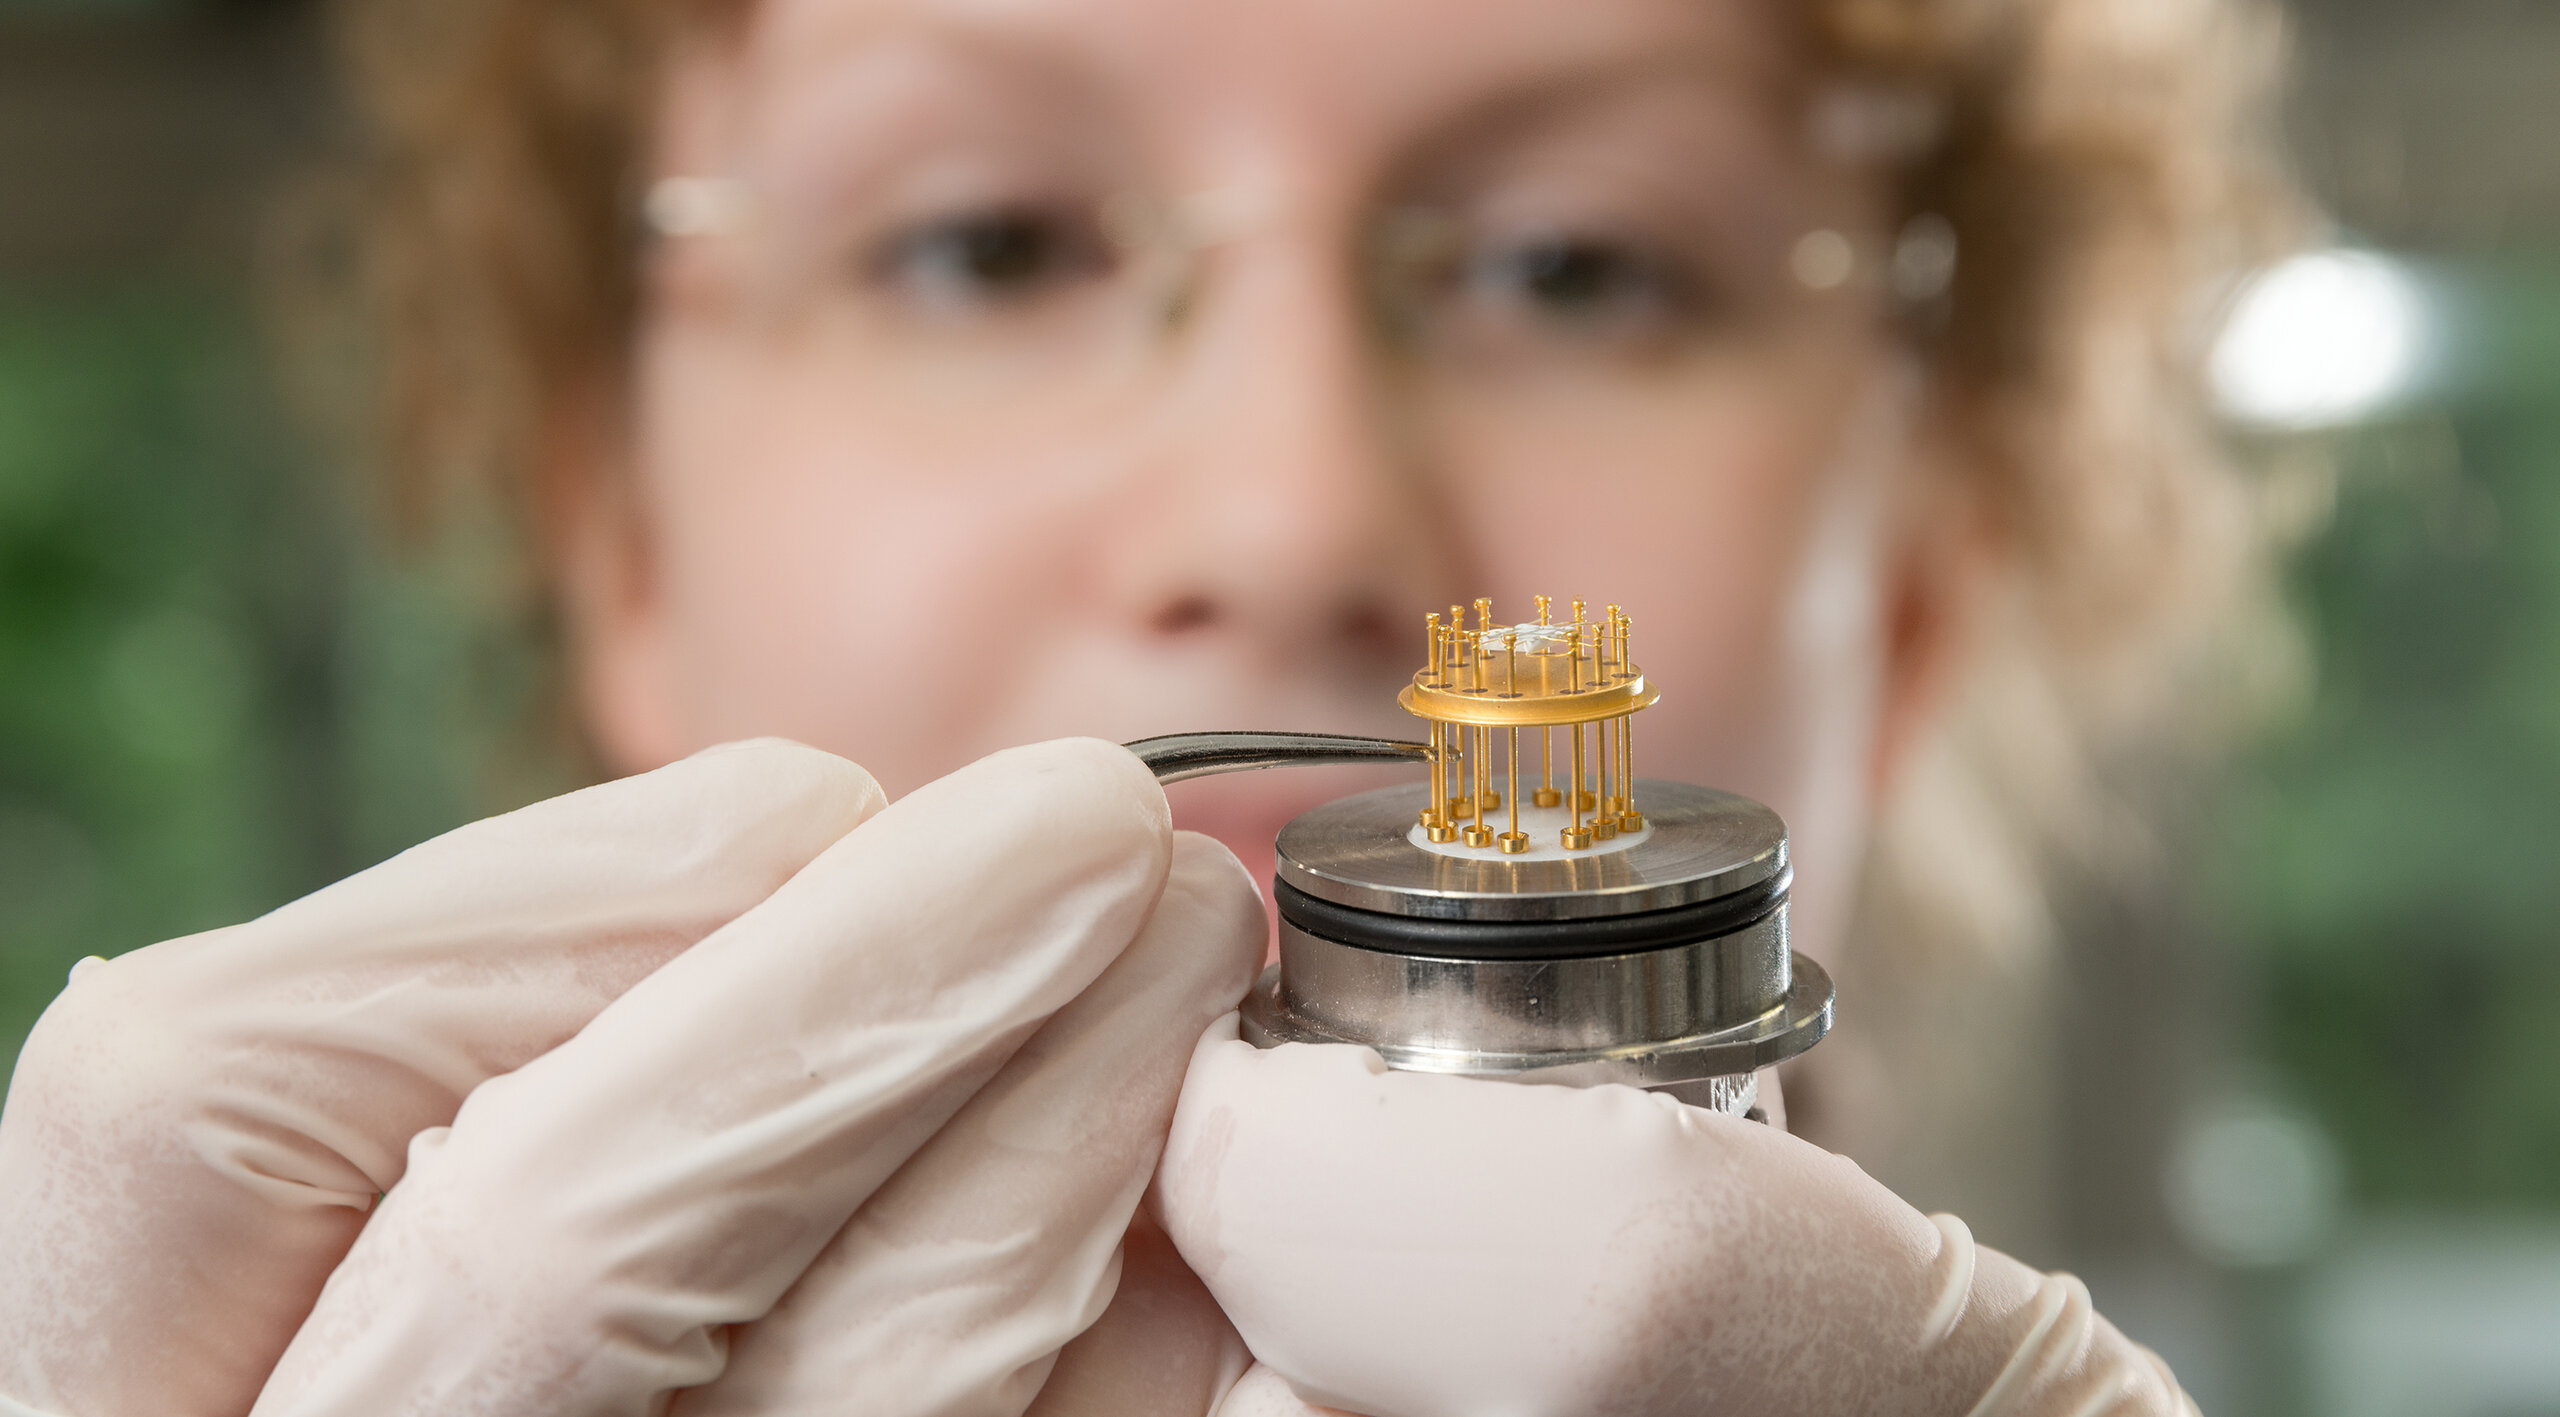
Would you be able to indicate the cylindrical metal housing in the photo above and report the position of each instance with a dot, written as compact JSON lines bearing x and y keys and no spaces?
{"x":1663,"y":963}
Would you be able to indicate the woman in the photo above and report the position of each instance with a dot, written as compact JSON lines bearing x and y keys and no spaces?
{"x":916,"y":378}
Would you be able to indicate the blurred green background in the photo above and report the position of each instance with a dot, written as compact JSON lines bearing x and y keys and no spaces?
{"x":218,"y":688}
{"x":2311,"y":1103}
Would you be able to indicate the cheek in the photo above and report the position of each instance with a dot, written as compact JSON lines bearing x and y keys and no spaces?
{"x":814,"y":585}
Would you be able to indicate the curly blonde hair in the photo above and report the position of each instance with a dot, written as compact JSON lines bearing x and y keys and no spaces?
{"x":2106,"y":166}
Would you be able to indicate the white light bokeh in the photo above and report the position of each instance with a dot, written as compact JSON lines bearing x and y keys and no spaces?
{"x":2253,"y":1182}
{"x":2325,"y":338}
{"x":1823,"y":259}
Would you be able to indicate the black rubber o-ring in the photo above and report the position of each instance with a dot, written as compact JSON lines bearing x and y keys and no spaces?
{"x":1532,"y":939}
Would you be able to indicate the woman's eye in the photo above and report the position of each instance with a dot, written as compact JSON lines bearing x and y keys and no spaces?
{"x":1579,"y":282}
{"x":990,"y":258}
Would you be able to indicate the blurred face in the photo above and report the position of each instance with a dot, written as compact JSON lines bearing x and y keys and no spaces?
{"x":1019,"y":368}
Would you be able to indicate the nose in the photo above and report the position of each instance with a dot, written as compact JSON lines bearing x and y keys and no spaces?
{"x":1280,"y":512}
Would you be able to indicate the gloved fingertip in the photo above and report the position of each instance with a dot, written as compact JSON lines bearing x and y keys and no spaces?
{"x":1108,"y":764}
{"x":736,"y":746}
{"x":1088,"y":787}
{"x":1199,"y":851}
{"x":786,"y":760}
{"x":1222,"y":910}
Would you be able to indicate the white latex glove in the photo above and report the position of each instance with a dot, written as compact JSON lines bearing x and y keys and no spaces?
{"x":1404,"y":1245}
{"x":723,"y":1079}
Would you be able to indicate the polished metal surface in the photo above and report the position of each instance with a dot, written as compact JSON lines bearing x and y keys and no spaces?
{"x":1178,"y":756}
{"x":1704,"y":845}
{"x":1692,"y":1017}
{"x":1497,"y":1019}
{"x":1528,"y":1006}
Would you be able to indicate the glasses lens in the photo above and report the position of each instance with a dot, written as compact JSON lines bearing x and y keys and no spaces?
{"x":986,"y":323}
{"x":979,"y":328}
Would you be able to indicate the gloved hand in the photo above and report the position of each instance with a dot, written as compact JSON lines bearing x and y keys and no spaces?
{"x":1404,"y":1245}
{"x":724,"y":1075}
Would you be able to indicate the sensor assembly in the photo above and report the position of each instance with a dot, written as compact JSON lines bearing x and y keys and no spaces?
{"x":1594,"y":928}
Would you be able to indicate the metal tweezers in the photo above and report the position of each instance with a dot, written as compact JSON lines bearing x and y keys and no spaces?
{"x":1177,"y":756}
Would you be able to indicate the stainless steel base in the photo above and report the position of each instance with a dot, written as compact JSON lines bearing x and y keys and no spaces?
{"x":1662,"y":965}
{"x":1648,"y":1020}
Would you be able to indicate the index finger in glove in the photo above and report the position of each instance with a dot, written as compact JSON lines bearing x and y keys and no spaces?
{"x":1404,"y":1245}
{"x":581,"y":1238}
{"x":196,"y":1130}
{"x":955,"y":1286}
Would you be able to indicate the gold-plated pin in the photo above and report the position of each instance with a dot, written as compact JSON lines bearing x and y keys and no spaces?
{"x":1614,"y":796}
{"x":1514,"y":841}
{"x":1547,"y":794}
{"x":1603,"y":826}
{"x":1492,"y":801}
{"x":1458,"y":804}
{"x":1478,"y":834}
{"x":1435,"y":820}
{"x":1431,"y":760}
{"x":1612,"y":786}
{"x":1576,"y":837}
{"x":1629,"y":819}
{"x":1584,"y":800}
